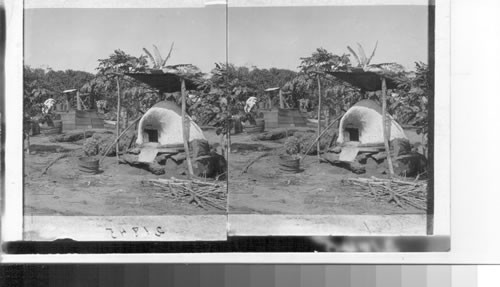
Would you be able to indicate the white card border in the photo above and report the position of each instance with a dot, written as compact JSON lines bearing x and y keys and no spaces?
{"x":12,"y":219}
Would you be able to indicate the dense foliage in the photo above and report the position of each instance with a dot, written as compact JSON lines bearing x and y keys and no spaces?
{"x":42,"y":84}
{"x":411,"y":103}
{"x":222,"y":93}
{"x":336,"y":95}
{"x":135,"y":96}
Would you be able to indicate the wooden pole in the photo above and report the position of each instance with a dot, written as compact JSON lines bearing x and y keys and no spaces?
{"x":327,"y":115}
{"x":282,"y":103}
{"x":28,"y":140}
{"x":117,"y":138}
{"x":185,"y":128}
{"x":386,"y":127}
{"x":318,"y":137}
{"x":319,"y":116}
{"x":228,"y":126}
{"x":78,"y":101}
{"x":118,"y":111}
{"x":126,"y":119}
{"x":67,"y":104}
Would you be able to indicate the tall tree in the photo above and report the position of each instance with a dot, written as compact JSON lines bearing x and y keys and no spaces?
{"x":316,"y":67}
{"x":113,"y":69}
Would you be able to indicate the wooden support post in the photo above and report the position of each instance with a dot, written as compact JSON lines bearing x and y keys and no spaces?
{"x":118,"y":111}
{"x":185,"y":129}
{"x":386,"y":127}
{"x":126,"y":119}
{"x":28,"y":140}
{"x":67,"y":104}
{"x":228,"y":136}
{"x":78,"y":101}
{"x":117,"y":138}
{"x":327,"y":115}
{"x":228,"y":139}
{"x":319,"y":116}
{"x":320,"y":135}
{"x":282,"y":103}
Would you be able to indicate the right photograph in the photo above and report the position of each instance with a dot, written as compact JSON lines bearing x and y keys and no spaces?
{"x":331,"y":120}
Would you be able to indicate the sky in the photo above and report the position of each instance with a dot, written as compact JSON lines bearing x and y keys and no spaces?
{"x":264,"y":37}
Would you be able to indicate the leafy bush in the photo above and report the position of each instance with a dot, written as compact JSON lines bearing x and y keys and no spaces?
{"x":305,"y":139}
{"x":40,"y":84}
{"x":411,"y":106}
{"x":292,"y":145}
{"x":97,"y":144}
{"x":91,"y":146}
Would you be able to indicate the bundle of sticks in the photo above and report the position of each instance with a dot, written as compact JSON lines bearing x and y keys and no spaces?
{"x":398,"y":191}
{"x":201,"y":193}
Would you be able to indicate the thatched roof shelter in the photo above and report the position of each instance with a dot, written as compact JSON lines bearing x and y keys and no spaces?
{"x":368,"y":81}
{"x":164,"y":82}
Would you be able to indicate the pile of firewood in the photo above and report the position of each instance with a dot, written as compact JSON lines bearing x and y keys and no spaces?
{"x":399,"y":191}
{"x":201,"y":193}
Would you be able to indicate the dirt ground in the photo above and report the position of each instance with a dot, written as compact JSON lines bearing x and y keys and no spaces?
{"x":116,"y":191}
{"x":318,"y":189}
{"x":264,"y":189}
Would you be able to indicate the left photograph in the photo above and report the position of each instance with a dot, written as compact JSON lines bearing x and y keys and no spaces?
{"x":123,"y":124}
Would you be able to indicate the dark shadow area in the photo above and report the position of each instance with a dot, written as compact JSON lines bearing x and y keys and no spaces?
{"x":243,"y":244}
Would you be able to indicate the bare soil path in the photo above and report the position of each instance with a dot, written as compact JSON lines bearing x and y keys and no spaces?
{"x":116,"y":191}
{"x":318,"y":189}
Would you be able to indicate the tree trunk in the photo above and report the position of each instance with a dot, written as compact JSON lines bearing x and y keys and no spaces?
{"x":185,"y":129}
{"x":319,"y":116}
{"x":386,"y":127}
{"x":118,"y":111}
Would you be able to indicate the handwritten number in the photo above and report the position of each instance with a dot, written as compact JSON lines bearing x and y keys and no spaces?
{"x":111,"y":229}
{"x":158,"y":230}
{"x":135,"y":229}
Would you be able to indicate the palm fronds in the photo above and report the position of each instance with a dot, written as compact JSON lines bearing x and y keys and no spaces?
{"x":157,"y":61}
{"x":158,"y":58}
{"x":355,"y":55}
{"x":151,"y":58}
{"x":360,"y":56}
{"x":168,"y":56}
{"x":373,"y":52}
